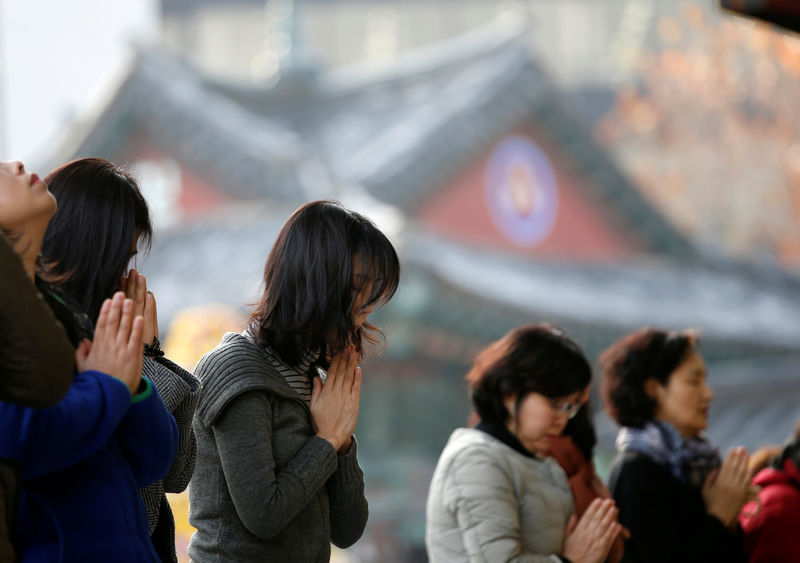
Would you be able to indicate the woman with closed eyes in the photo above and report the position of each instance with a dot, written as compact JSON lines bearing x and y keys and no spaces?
{"x":495,"y":496}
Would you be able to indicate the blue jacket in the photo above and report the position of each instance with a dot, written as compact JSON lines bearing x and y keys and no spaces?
{"x":82,"y":462}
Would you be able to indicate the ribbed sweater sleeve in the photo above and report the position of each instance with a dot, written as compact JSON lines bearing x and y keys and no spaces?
{"x":180,"y":391}
{"x":349,"y":509}
{"x":267,"y":497}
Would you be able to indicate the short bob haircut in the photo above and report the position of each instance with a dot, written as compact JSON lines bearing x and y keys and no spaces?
{"x":309,"y":283}
{"x":88,"y":241}
{"x":530,"y":359}
{"x":627,"y":364}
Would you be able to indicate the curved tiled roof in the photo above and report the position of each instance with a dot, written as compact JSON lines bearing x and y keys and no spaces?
{"x":399,"y":132}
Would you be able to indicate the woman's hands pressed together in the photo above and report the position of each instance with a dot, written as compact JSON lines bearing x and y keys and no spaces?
{"x":334,"y":404}
{"x":589,"y":541}
{"x":117,"y":346}
{"x":134,"y":285}
{"x":725,"y":490}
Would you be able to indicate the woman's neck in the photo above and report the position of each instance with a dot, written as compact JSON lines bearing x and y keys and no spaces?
{"x":28,"y":249}
{"x":686,"y":433}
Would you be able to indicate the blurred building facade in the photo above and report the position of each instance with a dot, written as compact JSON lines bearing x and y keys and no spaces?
{"x":658,"y":79}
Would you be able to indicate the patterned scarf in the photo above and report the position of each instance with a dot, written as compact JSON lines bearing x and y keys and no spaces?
{"x":689,"y":461}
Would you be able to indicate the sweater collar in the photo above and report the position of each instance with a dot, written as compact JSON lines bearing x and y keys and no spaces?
{"x":308,"y":360}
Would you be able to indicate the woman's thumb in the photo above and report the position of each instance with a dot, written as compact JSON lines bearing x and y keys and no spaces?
{"x":316,"y":389}
{"x":82,"y":353}
{"x":571,"y":523}
{"x":710,"y":479}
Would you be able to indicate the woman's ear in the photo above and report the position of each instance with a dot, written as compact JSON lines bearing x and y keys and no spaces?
{"x":652,"y":388}
{"x":510,"y":403}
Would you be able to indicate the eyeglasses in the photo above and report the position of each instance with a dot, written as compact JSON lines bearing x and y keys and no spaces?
{"x":564,"y":406}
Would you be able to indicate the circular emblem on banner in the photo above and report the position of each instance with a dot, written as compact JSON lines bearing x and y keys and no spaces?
{"x":521,"y":191}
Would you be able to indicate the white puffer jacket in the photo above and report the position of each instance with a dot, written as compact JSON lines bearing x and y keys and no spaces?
{"x":489,"y":503}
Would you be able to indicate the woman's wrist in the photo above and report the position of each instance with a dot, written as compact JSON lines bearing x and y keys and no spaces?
{"x":722,"y":514}
{"x":143,"y":391}
{"x":345,"y":447}
{"x":331,"y":440}
{"x":154,"y":348}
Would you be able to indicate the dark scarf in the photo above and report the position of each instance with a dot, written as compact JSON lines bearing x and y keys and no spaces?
{"x":67,"y":311}
{"x":501,"y":433}
{"x":689,"y":461}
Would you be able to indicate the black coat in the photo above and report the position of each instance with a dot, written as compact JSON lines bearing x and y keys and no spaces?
{"x":667,"y":520}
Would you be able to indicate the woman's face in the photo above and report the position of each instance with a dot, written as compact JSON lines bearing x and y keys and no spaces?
{"x":539,"y":419}
{"x":134,"y":246}
{"x":685,"y":399}
{"x":362,"y":289}
{"x":25,"y":203}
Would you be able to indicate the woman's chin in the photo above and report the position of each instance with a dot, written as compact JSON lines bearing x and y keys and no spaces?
{"x":540,"y":446}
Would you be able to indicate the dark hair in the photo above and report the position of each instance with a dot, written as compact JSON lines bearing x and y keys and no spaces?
{"x":581,"y":429}
{"x":309,"y":284}
{"x":627,"y":364}
{"x":529,"y":359}
{"x":790,"y":451}
{"x":88,"y":241}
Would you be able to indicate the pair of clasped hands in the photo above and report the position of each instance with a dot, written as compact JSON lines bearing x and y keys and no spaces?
{"x":334,"y":404}
{"x":724,"y":492}
{"x":126,"y":322}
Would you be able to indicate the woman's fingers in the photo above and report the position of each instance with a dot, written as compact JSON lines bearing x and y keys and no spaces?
{"x":125,"y":323}
{"x":594,"y":507}
{"x":340,"y":372}
{"x":356,"y":388}
{"x":316,"y":389}
{"x":734,"y":468}
{"x":139,"y":294}
{"x":130,"y":286}
{"x":332,"y":375}
{"x":100,"y":326}
{"x":602,"y":516}
{"x":610,"y":516}
{"x":711,"y":478}
{"x":135,"y":337}
{"x":350,"y":369}
{"x":742,"y":460}
{"x":150,"y":315}
{"x":114,"y":314}
{"x":608,"y":537}
{"x":606,"y":527}
{"x":605,"y":516}
{"x":82,"y":353}
{"x":571,"y":523}
{"x":135,"y":346}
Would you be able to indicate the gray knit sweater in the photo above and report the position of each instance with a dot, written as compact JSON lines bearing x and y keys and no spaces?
{"x":265,"y":487}
{"x":180,"y":391}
